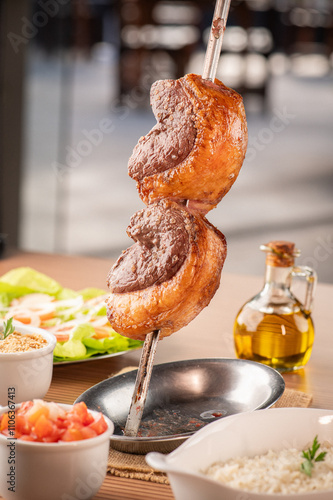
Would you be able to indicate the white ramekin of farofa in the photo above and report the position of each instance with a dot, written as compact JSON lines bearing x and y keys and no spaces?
{"x":26,"y":364}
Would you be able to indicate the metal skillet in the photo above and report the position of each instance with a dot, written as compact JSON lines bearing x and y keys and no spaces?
{"x":183,"y":397}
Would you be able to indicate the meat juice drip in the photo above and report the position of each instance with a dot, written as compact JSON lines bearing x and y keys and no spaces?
{"x":274,"y":327}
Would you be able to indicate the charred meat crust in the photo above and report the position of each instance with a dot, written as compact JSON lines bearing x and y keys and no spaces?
{"x":210,"y":164}
{"x":162,"y":237}
{"x":172,"y":139}
{"x":171,"y":304}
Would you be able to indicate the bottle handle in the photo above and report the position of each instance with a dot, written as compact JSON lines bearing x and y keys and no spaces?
{"x":311,"y":279}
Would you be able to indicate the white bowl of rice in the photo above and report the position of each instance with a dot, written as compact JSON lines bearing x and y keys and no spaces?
{"x":254,"y":456}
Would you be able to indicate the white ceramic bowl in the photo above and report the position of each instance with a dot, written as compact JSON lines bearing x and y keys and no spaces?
{"x":26,"y":375}
{"x":244,"y":434}
{"x":54,"y":471}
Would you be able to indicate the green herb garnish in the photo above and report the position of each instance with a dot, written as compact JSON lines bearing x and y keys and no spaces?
{"x":8,"y":328}
{"x":311,"y":458}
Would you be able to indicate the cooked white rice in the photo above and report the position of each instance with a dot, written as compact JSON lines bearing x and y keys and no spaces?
{"x":275,"y":472}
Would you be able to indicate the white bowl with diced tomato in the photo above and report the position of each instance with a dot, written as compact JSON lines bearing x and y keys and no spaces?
{"x":60,"y":451}
{"x":26,"y":375}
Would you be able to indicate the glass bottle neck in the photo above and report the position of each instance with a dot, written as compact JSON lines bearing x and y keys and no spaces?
{"x":278,"y":277}
{"x":276,"y":290}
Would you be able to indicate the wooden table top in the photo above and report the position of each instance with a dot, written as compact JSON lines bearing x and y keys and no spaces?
{"x":208,"y":336}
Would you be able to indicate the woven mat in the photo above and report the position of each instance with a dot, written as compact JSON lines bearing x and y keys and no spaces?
{"x":135,"y":466}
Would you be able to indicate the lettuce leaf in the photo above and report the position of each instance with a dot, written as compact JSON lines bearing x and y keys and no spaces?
{"x":91,"y":293}
{"x":81,"y":345}
{"x":25,"y":280}
{"x":117,"y":343}
{"x":74,"y":348}
{"x":71,"y":350}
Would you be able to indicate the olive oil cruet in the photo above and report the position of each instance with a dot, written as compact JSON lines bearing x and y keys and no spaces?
{"x":274,"y":327}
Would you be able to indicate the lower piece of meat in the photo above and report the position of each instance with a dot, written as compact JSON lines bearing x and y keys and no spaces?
{"x":169,"y":275}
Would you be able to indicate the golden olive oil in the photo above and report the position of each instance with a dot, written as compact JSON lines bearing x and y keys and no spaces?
{"x":282,"y":341}
{"x":274,"y":327}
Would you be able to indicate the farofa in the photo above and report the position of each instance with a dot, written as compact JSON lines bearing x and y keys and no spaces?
{"x":17,"y":342}
{"x":275,"y":472}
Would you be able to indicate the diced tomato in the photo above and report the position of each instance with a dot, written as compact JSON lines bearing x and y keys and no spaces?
{"x":4,"y":422}
{"x":80,"y":413}
{"x":43,"y":422}
{"x":43,"y":427}
{"x":54,"y":436}
{"x":25,"y":406}
{"x":34,"y":416}
{"x":72,"y":434}
{"x":22,"y":426}
{"x":88,"y":432}
{"x":51,"y":439}
{"x":99,"y":425}
{"x":62,"y":423}
{"x":26,"y":437}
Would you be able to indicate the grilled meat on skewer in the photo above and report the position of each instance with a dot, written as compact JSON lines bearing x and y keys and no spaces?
{"x":196,"y":149}
{"x":170,"y":273}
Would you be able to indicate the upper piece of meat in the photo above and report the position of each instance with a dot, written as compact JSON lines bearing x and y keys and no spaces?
{"x":197,"y":147}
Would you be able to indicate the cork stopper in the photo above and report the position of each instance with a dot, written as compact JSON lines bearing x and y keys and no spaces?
{"x":280,"y":253}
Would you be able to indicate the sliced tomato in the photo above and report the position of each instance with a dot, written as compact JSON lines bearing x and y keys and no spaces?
{"x":32,"y":308}
{"x":61,"y":332}
{"x":62,"y":337}
{"x":45,"y":315}
{"x":101,"y":332}
{"x":23,"y":317}
{"x":33,"y":300}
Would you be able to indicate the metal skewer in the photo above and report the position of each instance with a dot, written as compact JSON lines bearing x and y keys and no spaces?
{"x":150,"y":344}
{"x":142,"y":384}
{"x":215,"y":39}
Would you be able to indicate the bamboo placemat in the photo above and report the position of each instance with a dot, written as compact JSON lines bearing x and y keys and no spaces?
{"x":135,"y":467}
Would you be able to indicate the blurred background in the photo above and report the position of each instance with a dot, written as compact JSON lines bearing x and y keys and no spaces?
{"x":75,"y":77}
